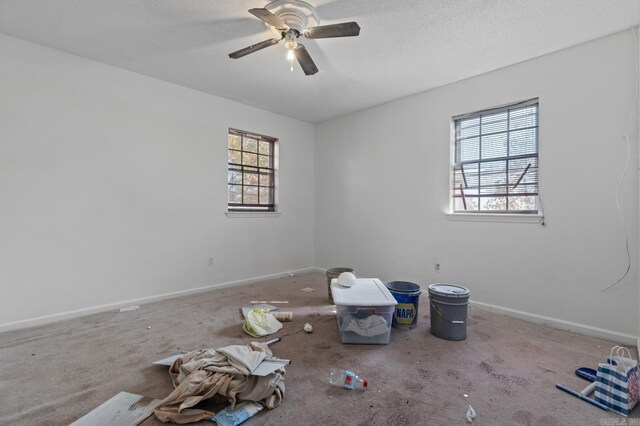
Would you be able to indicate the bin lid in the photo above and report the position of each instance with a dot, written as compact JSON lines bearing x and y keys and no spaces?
{"x":448,"y":290}
{"x":366,"y":292}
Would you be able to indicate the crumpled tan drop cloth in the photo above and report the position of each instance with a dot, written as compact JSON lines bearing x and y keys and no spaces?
{"x":223,"y":373}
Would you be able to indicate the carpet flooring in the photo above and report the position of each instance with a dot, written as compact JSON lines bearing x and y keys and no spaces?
{"x":506,"y":369}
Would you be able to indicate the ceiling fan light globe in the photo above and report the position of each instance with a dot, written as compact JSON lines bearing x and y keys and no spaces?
{"x":290,"y":40}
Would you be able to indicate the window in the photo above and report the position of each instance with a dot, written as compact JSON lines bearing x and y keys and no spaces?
{"x":495,"y":160}
{"x":251,"y":175}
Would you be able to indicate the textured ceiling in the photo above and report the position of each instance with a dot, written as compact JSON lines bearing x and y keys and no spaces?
{"x":404,"y":47}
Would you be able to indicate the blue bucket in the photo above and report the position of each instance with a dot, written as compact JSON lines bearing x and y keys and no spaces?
{"x":407,"y":295}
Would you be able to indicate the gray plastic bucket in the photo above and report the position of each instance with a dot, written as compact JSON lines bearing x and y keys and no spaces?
{"x":407,"y":295}
{"x":334,"y":273}
{"x":449,"y":311}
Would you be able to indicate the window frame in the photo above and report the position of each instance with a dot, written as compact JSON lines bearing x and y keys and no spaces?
{"x":479,"y":214}
{"x":243,"y":209}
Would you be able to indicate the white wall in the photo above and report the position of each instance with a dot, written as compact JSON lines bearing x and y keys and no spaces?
{"x":113,"y":187}
{"x":382,"y":186}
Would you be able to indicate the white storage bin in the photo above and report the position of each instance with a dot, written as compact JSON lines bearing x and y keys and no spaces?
{"x":364,"y":311}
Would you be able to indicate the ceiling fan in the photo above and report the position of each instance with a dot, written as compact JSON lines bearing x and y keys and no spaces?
{"x":289,"y":20}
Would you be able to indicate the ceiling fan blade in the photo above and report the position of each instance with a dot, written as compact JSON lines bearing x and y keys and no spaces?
{"x":269,"y":18}
{"x":307,"y":64}
{"x":347,"y":29}
{"x":254,"y":48}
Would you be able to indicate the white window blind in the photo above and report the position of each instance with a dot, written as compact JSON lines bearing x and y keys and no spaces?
{"x":495,"y":165}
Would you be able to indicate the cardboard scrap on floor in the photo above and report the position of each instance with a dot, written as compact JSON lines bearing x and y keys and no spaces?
{"x":269,"y":365}
{"x":168,"y":360}
{"x":124,"y":409}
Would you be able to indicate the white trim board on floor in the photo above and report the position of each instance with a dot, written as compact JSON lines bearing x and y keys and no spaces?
{"x":32,"y":322}
{"x":587,"y":330}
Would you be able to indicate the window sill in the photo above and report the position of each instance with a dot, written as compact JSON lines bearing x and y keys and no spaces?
{"x":251,"y":214}
{"x":495,"y":217}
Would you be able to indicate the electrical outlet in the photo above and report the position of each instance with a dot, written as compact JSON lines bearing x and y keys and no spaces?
{"x":437,"y":267}
{"x":211,"y":261}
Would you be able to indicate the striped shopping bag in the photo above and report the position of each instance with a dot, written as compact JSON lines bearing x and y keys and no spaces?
{"x":617,"y":381}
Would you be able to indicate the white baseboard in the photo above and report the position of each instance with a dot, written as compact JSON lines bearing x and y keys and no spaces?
{"x":587,"y":330}
{"x":31,"y":322}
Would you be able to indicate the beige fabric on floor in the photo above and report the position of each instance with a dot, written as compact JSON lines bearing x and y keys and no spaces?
{"x":226,"y":373}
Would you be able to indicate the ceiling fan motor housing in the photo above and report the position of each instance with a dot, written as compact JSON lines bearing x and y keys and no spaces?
{"x":288,"y":19}
{"x":296,"y":14}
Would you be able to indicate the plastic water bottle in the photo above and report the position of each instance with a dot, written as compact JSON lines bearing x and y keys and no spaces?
{"x":346,"y":379}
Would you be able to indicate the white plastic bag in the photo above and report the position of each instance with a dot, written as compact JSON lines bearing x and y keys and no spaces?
{"x":260,"y":322}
